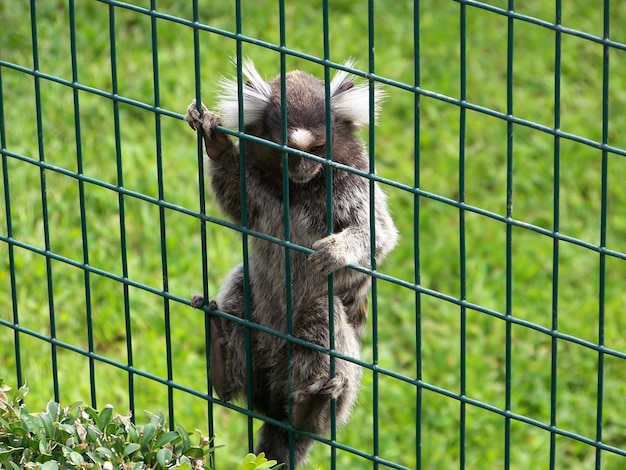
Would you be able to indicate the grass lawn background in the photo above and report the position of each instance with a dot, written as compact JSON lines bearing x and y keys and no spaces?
{"x":579,"y":297}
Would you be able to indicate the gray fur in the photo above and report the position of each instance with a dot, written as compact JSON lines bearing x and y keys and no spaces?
{"x":308,"y":383}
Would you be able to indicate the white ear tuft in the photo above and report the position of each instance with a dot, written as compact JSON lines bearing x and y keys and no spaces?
{"x":351,"y":101}
{"x":256,"y":95}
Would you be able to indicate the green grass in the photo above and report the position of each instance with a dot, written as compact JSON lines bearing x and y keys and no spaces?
{"x":580,"y":203}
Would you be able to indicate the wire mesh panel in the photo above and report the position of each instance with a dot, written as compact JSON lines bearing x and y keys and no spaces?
{"x":495,"y":333}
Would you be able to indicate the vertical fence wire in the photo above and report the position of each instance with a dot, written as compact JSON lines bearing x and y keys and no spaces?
{"x":329,"y":220}
{"x":556,"y":201}
{"x":81,"y":198}
{"x":244,"y":221}
{"x":203,"y":229}
{"x":372,"y":209}
{"x":11,"y":250}
{"x":509,"y":234}
{"x":603,"y":228}
{"x":162,"y":221}
{"x":416,"y":233}
{"x":462,"y":244}
{"x":122,"y":213}
{"x":286,"y":220}
{"x":44,"y":201}
{"x":555,"y":242}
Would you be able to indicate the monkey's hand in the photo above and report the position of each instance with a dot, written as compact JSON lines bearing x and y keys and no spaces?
{"x":215,"y":142}
{"x":330,"y":387}
{"x":331,"y":253}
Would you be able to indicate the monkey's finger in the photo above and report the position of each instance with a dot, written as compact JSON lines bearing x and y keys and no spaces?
{"x":322,"y":263}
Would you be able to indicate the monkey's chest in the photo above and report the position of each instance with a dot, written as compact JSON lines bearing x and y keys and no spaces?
{"x":302,"y":225}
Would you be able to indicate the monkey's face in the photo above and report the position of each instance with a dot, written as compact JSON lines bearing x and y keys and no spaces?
{"x":302,"y":169}
{"x":306,"y":122}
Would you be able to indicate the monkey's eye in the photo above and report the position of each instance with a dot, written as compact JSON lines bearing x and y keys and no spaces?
{"x":318,"y":149}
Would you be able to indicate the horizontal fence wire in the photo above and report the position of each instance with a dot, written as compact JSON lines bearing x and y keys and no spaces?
{"x":38,"y":160}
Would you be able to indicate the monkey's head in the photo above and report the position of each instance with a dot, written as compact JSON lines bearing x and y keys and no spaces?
{"x":306,"y":118}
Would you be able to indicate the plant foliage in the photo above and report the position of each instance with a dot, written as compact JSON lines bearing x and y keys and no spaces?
{"x":78,"y":436}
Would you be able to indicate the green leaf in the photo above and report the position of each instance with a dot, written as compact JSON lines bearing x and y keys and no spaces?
{"x":165,"y":438}
{"x":97,"y":459}
{"x":105,"y":452}
{"x":149,"y":430}
{"x":52,"y":410}
{"x":46,"y":423}
{"x":21,"y":393}
{"x":194,"y":453}
{"x":76,"y":458}
{"x":130,"y":448}
{"x":117,"y":444}
{"x":158,"y":419}
{"x":27,"y":422}
{"x":149,"y":458}
{"x":248,"y":462}
{"x":255,"y":462}
{"x":43,"y":448}
{"x":72,"y":410}
{"x":50,"y":465}
{"x":93,"y":414}
{"x":93,"y":434}
{"x":113,"y":428}
{"x":164,"y":456}
{"x":129,"y":427}
{"x":133,"y":433}
{"x":105,"y":417}
{"x":18,"y":430}
{"x":69,"y":429}
{"x":184,"y":435}
{"x":266,"y":464}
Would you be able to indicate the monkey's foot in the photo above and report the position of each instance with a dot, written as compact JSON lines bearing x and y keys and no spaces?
{"x":215,"y":142}
{"x":330,"y":387}
{"x":197,"y":301}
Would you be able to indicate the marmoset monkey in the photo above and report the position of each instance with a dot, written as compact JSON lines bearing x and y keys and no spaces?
{"x":298,"y":391}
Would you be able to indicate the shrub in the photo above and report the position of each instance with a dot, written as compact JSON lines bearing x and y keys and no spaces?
{"x":78,"y":436}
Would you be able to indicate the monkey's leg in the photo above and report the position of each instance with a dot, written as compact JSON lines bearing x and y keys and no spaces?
{"x":313,"y":385}
{"x":227,"y":369}
{"x":274,"y":441}
{"x":217,"y":340}
{"x":224,"y":159}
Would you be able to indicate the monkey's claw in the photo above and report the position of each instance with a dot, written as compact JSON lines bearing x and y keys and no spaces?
{"x":193,"y":117}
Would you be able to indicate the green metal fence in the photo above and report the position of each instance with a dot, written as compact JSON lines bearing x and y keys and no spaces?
{"x":496,"y":333}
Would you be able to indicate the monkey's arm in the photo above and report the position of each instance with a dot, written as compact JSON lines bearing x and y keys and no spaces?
{"x":224,"y":158}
